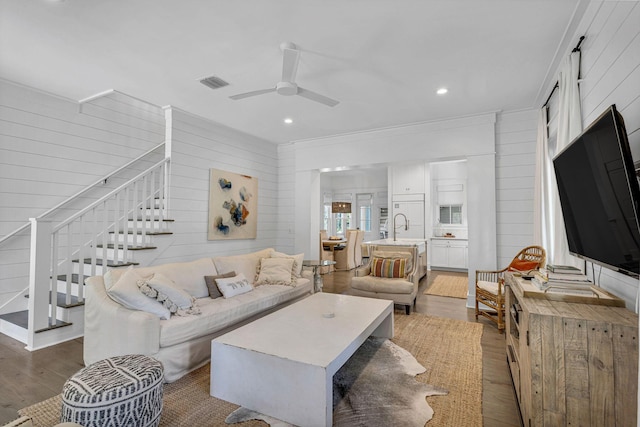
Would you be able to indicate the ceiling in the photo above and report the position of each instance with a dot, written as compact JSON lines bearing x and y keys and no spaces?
{"x":382,"y":59}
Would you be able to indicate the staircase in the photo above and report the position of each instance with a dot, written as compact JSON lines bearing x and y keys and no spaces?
{"x":127,"y":226}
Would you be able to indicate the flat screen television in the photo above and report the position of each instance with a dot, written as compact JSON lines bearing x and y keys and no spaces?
{"x":600,"y":195}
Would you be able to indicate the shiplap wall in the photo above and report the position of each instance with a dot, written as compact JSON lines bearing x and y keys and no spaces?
{"x":610,"y":74}
{"x":515,"y":166}
{"x":199,"y":145}
{"x":50,"y":149}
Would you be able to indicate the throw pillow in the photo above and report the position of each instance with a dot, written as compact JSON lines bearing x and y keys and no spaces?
{"x":233,"y":286}
{"x":393,"y":255}
{"x":297,"y":265}
{"x":112,"y":276}
{"x":388,"y":267}
{"x":276,"y":271}
{"x":127,"y":293}
{"x":170,"y":304}
{"x":523,"y":265}
{"x":173,"y":292}
{"x":214,"y":292}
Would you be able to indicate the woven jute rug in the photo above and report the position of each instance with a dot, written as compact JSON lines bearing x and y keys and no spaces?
{"x":449,"y":349}
{"x":446,"y":285}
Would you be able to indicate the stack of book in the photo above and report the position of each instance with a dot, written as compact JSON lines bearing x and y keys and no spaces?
{"x":560,"y":277}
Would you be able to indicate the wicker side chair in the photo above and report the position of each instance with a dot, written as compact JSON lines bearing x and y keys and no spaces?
{"x":490,"y":284}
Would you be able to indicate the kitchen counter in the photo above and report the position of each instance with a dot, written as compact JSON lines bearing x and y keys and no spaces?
{"x":448,"y":238}
{"x":420,"y":243}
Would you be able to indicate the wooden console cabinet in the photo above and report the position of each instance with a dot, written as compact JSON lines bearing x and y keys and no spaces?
{"x":572,"y":364}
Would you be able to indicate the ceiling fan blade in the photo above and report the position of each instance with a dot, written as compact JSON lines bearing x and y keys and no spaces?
{"x":317,"y":97}
{"x":290,"y":64}
{"x":253,"y":93}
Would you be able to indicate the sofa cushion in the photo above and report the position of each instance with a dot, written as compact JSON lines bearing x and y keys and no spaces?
{"x":297,"y":258}
{"x":246,"y":264}
{"x":221,"y":313}
{"x":382,"y":285}
{"x":232,"y":286}
{"x":187,"y":275}
{"x":388,"y":267}
{"x":491,"y":287}
{"x":126,"y":292}
{"x":214,"y":292}
{"x":276,"y":271}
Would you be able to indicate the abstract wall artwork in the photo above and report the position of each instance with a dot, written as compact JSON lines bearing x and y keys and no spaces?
{"x":233,"y":206}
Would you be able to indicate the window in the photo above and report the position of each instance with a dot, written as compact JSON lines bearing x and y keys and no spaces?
{"x":363,"y":209}
{"x":326,"y":217}
{"x":343,"y":223}
{"x":326,"y":213}
{"x":450,"y":214}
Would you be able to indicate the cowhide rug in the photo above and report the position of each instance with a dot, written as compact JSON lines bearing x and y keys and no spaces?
{"x":376,"y":387}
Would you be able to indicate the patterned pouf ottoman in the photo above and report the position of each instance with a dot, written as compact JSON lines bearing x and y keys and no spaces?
{"x":115,"y":392}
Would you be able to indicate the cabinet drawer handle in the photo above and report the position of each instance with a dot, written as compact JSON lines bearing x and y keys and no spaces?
{"x":513,"y":356}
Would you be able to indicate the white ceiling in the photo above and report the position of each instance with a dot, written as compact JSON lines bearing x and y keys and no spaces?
{"x":382,"y":59}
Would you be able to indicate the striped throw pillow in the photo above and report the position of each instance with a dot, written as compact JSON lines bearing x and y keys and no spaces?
{"x":388,"y":267}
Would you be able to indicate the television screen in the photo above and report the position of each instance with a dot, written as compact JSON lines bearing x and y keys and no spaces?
{"x":599,"y":195}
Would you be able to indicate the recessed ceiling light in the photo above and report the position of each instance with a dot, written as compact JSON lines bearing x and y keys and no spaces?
{"x":288,"y":120}
{"x":442,"y":91}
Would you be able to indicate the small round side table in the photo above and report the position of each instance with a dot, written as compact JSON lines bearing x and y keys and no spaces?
{"x":317,"y":278}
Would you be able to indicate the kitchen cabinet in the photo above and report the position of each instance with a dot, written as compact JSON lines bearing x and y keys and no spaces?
{"x":408,"y":179}
{"x":449,"y":253}
{"x":412,"y":207}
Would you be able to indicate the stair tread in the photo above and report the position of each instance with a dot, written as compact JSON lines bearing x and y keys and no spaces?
{"x":61,"y":300}
{"x":130,"y":248}
{"x":151,"y":219}
{"x":74,"y":278}
{"x":110,"y":263}
{"x":21,"y":319}
{"x":148,"y":233}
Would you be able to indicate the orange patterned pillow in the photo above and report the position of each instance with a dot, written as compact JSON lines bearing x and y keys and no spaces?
{"x":522,"y":265}
{"x":388,"y":267}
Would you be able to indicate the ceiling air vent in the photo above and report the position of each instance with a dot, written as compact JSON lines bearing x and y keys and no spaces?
{"x":214,"y":82}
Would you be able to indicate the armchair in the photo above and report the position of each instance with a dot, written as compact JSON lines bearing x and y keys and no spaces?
{"x":391,"y":273}
{"x":490,"y":284}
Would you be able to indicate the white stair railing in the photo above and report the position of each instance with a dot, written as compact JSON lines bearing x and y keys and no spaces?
{"x":82,"y":243}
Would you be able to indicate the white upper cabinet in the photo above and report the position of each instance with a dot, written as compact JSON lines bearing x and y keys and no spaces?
{"x":408,"y":178}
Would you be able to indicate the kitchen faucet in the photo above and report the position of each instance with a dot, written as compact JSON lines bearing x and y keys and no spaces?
{"x":406,"y":224}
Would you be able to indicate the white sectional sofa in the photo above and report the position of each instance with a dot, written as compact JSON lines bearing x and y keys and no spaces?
{"x":183,"y":342}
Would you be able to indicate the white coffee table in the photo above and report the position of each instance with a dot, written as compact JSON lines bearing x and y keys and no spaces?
{"x":282,"y":365}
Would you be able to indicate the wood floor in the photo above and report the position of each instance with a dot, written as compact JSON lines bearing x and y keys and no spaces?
{"x":30,"y":377}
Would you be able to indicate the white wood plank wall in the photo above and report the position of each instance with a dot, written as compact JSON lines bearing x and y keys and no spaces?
{"x":515,"y":168}
{"x":286,"y":229}
{"x":49,"y":150}
{"x":610,"y":73}
{"x":197,"y":146}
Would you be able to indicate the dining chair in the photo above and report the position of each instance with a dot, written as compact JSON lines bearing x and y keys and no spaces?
{"x":345,"y":258}
{"x":357,"y":257}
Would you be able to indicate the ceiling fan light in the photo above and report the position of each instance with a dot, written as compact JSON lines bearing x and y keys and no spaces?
{"x":442,"y":91}
{"x":288,"y":120}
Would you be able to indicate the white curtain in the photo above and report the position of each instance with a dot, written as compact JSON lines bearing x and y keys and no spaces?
{"x":549,"y":228}
{"x":541,"y":190}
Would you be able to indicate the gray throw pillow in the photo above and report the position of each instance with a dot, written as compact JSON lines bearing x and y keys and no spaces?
{"x":214,"y":292}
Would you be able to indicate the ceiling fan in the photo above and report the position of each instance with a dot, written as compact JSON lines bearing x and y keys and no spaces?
{"x":287,"y":86}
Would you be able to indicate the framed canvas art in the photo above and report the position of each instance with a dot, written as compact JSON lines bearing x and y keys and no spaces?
{"x":233,"y":206}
